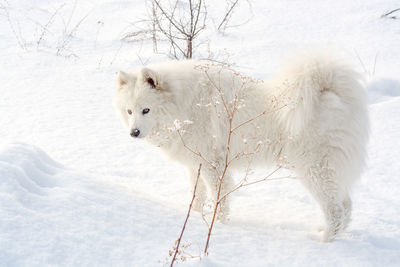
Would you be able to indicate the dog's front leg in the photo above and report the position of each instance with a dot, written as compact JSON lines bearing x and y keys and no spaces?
{"x":201,"y":190}
{"x":218,"y":187}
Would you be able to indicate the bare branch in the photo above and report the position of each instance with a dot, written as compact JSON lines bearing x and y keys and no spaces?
{"x":389,"y":13}
{"x":18,"y":35}
{"x":257,"y":116}
{"x":187,"y":217}
{"x":227,"y":15}
{"x":45,"y":27}
{"x":196,"y":32}
{"x":219,"y":92}
{"x":170,"y":18}
{"x":68,"y":35}
{"x":268,"y":177}
{"x":197,"y":153}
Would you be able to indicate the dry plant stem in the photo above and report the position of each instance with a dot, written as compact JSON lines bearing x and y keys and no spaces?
{"x":214,"y":216}
{"x":153,"y":32}
{"x":196,"y":152}
{"x":391,"y":12}
{"x":17,"y":35}
{"x":220,"y":93}
{"x":68,"y":35}
{"x":257,"y":116}
{"x":221,"y":178}
{"x":170,"y":18}
{"x":243,"y":184}
{"x":227,"y":15}
{"x":369,"y":73}
{"x":46,"y":26}
{"x":230,"y":115}
{"x":362,"y":63}
{"x":187,"y":217}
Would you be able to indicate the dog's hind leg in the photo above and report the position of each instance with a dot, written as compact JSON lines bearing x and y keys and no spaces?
{"x":347,"y":204}
{"x":324,"y":185}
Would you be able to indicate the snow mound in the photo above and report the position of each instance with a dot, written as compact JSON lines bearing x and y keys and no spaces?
{"x":25,"y":168}
{"x":50,"y":215}
{"x":383,"y":89}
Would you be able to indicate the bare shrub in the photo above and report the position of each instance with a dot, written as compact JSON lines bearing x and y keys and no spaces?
{"x":179,"y":23}
{"x":48,"y":34}
{"x":14,"y":25}
{"x":69,"y":32}
{"x":45,"y":28}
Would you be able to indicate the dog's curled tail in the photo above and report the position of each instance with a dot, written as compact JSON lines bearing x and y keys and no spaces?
{"x":305,"y":78}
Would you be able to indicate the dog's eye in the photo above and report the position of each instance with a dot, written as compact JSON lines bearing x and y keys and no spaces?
{"x":145,"y":111}
{"x":151,"y":82}
{"x":129,"y":112}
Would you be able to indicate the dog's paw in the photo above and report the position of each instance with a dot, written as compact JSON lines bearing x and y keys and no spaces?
{"x":322,"y":237}
{"x":315,"y":236}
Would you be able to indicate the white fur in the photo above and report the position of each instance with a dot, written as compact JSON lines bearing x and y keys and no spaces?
{"x":317,"y":119}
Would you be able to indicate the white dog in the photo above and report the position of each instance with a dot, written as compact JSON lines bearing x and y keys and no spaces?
{"x":313,"y":115}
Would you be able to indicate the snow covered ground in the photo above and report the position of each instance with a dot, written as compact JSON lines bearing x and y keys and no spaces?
{"x":75,"y":190}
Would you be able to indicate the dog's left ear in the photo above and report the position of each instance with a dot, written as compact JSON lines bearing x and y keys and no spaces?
{"x":124,"y":77}
{"x":152,"y":78}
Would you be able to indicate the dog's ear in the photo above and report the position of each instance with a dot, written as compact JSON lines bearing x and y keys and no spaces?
{"x":123,"y":78}
{"x":151,"y":78}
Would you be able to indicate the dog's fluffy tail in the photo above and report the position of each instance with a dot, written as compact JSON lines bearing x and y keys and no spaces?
{"x":305,"y":78}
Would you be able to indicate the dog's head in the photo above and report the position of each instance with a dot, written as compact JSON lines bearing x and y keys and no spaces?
{"x":139,"y":100}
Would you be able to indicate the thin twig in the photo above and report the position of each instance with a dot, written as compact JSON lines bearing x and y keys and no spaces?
{"x":227,"y":15}
{"x":257,"y":116}
{"x":45,"y":27}
{"x":18,"y":36}
{"x":170,"y":19}
{"x":362,"y":63}
{"x":242,"y":183}
{"x":196,"y":152}
{"x":221,"y":178}
{"x":187,"y":217}
{"x":221,"y":95}
{"x":391,"y":12}
{"x":67,"y":37}
{"x":375,"y":59}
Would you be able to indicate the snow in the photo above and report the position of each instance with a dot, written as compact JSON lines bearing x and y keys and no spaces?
{"x":76,"y":190}
{"x":381,"y":89}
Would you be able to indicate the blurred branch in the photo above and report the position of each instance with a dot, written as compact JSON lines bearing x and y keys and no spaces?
{"x":387,"y":15}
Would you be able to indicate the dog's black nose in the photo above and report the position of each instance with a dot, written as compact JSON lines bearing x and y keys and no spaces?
{"x":135,"y":133}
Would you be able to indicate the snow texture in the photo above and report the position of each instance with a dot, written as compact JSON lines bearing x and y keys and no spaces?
{"x":76,"y":190}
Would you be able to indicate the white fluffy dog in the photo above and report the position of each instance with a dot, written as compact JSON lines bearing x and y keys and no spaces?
{"x":313,"y":115}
